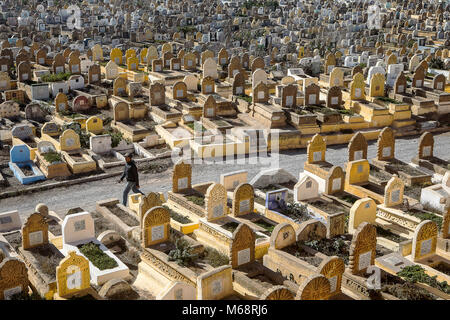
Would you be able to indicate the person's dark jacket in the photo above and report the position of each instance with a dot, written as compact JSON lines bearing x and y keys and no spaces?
{"x":130,"y":172}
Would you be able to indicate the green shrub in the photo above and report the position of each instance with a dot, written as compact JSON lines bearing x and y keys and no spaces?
{"x":84,"y":136}
{"x":387,"y":99}
{"x":182,"y":255}
{"x":416,"y":273}
{"x":116,"y":137}
{"x":436,"y":63}
{"x":56,"y":77}
{"x":246,"y":98}
{"x":98,"y":258}
{"x":263,"y":224}
{"x":215,"y":258}
{"x":427,"y":216}
{"x":177,"y":217}
{"x":52,"y":157}
{"x":230,"y":226}
{"x":200,"y":201}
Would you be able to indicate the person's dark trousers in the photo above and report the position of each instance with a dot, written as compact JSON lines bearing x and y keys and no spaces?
{"x":131,"y":185}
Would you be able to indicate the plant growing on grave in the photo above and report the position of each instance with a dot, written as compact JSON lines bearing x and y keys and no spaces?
{"x":297,"y":211}
{"x":177,"y":217}
{"x":427,"y":216}
{"x":387,"y":99}
{"x":436,"y":63}
{"x":245,"y":97}
{"x":416,"y":273}
{"x":98,"y":258}
{"x":56,"y":77}
{"x":52,"y":157}
{"x":200,"y":201}
{"x":84,"y":136}
{"x":182,"y":255}
{"x":116,"y":137}
{"x":215,"y":258}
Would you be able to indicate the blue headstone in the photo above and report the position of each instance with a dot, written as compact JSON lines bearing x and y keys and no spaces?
{"x":276,"y":198}
{"x":19,"y":153}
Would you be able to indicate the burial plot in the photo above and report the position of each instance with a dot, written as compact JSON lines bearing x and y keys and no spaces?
{"x":13,"y":278}
{"x":72,"y":276}
{"x":50,"y":161}
{"x":425,"y":157}
{"x":22,"y":166}
{"x":78,"y":235}
{"x":386,"y":160}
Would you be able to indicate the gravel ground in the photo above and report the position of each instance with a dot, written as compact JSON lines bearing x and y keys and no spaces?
{"x":85,"y":195}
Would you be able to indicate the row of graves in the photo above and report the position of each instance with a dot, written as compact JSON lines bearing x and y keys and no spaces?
{"x":276,"y":242}
{"x":227,"y":94}
{"x":318,"y":237}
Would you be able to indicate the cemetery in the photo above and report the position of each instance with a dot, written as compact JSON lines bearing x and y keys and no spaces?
{"x":348,"y":101}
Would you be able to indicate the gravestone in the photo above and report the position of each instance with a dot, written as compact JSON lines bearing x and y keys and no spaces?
{"x":393,"y":192}
{"x":215,"y":284}
{"x":334,"y":97}
{"x":363,"y":210}
{"x":306,"y":188}
{"x":312,"y":94}
{"x":121,"y":112}
{"x":209,"y":107}
{"x":243,"y":200}
{"x":22,"y":131}
{"x":260,"y":93}
{"x":363,"y":248}
{"x":283,"y":235}
{"x":357,"y":147}
{"x":386,"y":145}
{"x":155,"y":226}
{"x":208,"y":85}
{"x":424,"y":240}
{"x":10,"y":221}
{"x":242,"y":248}
{"x":13,"y":278}
{"x":69,"y":140}
{"x":34,"y":231}
{"x":181,"y":177}
{"x":316,"y":287}
{"x":210,"y":69}
{"x":72,"y":275}
{"x":216,"y":202}
{"x":179,"y":91}
{"x":61,"y":102}
{"x":376,"y":88}
{"x":178,"y":291}
{"x":336,"y":78}
{"x":238,"y":84}
{"x":316,"y":149}
{"x":33,"y":111}
{"x":157,"y":94}
{"x":400,"y":84}
{"x":426,"y":146}
{"x":289,"y":96}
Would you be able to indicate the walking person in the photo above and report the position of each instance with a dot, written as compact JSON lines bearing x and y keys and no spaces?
{"x":131,"y":173}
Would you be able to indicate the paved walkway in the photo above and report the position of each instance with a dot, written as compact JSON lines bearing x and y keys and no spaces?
{"x":87,"y":194}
